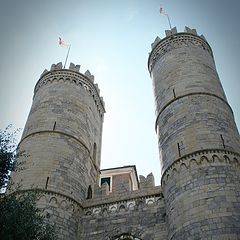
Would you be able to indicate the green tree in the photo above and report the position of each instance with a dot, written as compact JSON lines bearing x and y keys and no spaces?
{"x":7,"y":155}
{"x":20,"y":219}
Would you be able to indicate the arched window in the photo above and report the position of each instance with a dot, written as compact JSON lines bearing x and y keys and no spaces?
{"x":94,"y":152}
{"x":89,"y":192}
{"x":126,"y":236}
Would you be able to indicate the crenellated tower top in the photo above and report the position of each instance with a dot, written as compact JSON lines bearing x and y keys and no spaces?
{"x":174,"y":39}
{"x":72,"y":75}
{"x":62,"y":138}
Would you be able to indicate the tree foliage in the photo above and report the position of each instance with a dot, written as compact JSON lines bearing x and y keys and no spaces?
{"x":7,"y":155}
{"x":20,"y":219}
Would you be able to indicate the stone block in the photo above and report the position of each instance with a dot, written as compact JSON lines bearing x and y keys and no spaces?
{"x":74,"y":67}
{"x":89,"y":75}
{"x":171,"y":32}
{"x":189,"y":30}
{"x":156,"y":41}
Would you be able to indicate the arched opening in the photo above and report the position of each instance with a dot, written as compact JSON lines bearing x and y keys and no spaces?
{"x":126,"y":236}
{"x":89,"y":192}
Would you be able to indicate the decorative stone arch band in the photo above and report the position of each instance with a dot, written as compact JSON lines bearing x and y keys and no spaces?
{"x":66,"y":75}
{"x":126,"y":237}
{"x":175,"y":41}
{"x":127,"y":234}
{"x":42,"y":192}
{"x":210,"y":156}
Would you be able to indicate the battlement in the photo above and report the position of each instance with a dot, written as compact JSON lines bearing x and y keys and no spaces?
{"x":130,"y":202}
{"x":72,"y":67}
{"x":72,"y":75}
{"x":147,"y":182}
{"x":125,"y":214}
{"x":122,"y":191}
{"x":172,"y":40}
{"x":173,"y":31}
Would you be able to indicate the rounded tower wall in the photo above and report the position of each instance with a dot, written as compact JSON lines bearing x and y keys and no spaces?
{"x":194,"y":123}
{"x":62,"y":136}
{"x":198,"y":140}
{"x":60,"y":164}
{"x":192,"y":112}
{"x":186,"y":65}
{"x":67,"y":102}
{"x":202,"y":196}
{"x":61,"y":145}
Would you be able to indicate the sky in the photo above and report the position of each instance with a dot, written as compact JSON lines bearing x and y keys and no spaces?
{"x":112,"y":39}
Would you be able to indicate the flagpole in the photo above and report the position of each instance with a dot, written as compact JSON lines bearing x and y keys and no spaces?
{"x":67,"y":56}
{"x":162,"y":12}
{"x":169,"y":22}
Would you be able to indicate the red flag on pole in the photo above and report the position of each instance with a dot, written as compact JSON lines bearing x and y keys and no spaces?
{"x":62,"y":43}
{"x":162,"y":12}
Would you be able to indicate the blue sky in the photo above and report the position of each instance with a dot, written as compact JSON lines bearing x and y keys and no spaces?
{"x":112,"y":39}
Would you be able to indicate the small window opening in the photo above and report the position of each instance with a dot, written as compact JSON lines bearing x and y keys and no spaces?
{"x":47,"y":183}
{"x":174,"y":94}
{"x":106,"y":180}
{"x":179,"y":151}
{"x":89,"y":192}
{"x":54,"y":126}
{"x":94,"y":152}
{"x":223,"y":143}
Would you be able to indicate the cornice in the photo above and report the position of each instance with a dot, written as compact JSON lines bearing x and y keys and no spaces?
{"x":206,"y":156}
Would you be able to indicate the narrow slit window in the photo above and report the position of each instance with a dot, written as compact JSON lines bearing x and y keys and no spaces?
{"x":54,"y":125}
{"x":223,"y":143}
{"x":89,"y":192}
{"x":94,"y":152}
{"x":179,"y":151}
{"x":47,"y":183}
{"x":174,"y":94}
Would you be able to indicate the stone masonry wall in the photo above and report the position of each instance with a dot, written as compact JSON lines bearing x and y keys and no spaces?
{"x":195,"y":122}
{"x":62,"y":144}
{"x":202,"y":194}
{"x":191,"y":107}
{"x":62,"y":210}
{"x":137,"y":214}
{"x":198,"y":140}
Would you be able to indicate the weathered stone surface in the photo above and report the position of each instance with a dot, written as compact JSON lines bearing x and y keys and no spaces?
{"x":198,"y":140}
{"x":62,"y":140}
{"x":136,"y":215}
{"x":74,"y":67}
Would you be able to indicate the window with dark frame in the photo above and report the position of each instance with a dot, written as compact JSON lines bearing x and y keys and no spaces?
{"x":107,"y":180}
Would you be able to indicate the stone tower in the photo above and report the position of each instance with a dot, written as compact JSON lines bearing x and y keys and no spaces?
{"x":62,"y":141}
{"x":198,"y":139}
